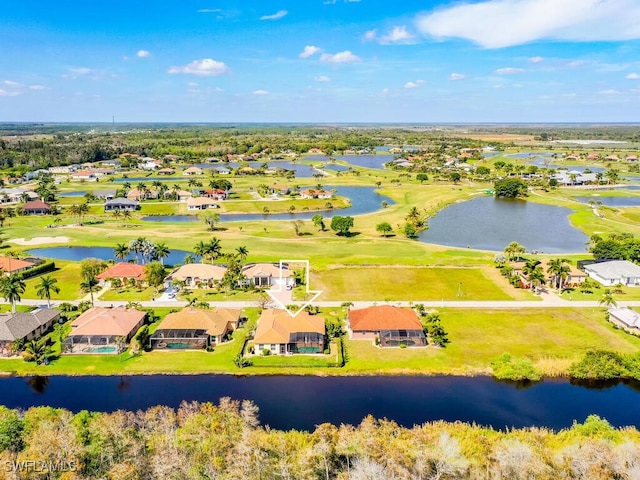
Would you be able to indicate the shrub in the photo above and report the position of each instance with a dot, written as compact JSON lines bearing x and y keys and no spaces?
{"x":266,"y":352}
{"x":210,"y":348}
{"x":403,"y":345}
{"x":39,"y":270}
{"x":506,"y":367}
{"x":327,"y":351}
{"x":600,"y":365}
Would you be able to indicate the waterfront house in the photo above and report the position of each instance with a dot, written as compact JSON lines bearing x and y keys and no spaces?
{"x":614,"y":272}
{"x":222,"y":170}
{"x":9,"y":266}
{"x":195,"y":328}
{"x":216,"y":194}
{"x":36,"y":207}
{"x":575,"y":276}
{"x":268,"y":274}
{"x":201,"y":203}
{"x":166,"y":171}
{"x":123,"y":271}
{"x":392,"y":326}
{"x":22,"y":326}
{"x":280,"y":333}
{"x":97,"y":330}
{"x":109,"y":194}
{"x":279,"y":189}
{"x":136,"y":194}
{"x":121,"y":204}
{"x":312,"y":193}
{"x":197,"y":274}
{"x":192,"y":171}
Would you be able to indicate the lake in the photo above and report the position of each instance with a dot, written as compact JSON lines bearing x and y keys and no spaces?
{"x":612,"y":201}
{"x":488,"y":223}
{"x":363,"y":200}
{"x":366,"y":161}
{"x":77,"y":254}
{"x":301,"y":402}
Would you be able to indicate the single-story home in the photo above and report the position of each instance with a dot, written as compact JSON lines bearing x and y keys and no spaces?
{"x":36,"y":207}
{"x":614,"y":272}
{"x":97,"y":330}
{"x":123,"y":271}
{"x":195,"y":328}
{"x":279,"y":189}
{"x":9,"y":265}
{"x":222,"y":170}
{"x":626,"y":319}
{"x":197,"y":274}
{"x":121,"y":204}
{"x":148,"y":163}
{"x":104,"y":194}
{"x":280,"y":333}
{"x":393,"y":326}
{"x":24,"y":326}
{"x":201,"y":203}
{"x":136,"y":194}
{"x":268,"y":274}
{"x":217,"y":194}
{"x":312,"y":193}
{"x":575,"y":276}
{"x":192,"y":171}
{"x":166,"y":171}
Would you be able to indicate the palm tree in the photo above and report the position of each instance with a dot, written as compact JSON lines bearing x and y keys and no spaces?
{"x":214,"y":249}
{"x":533,"y":271}
{"x":161,"y":252}
{"x":121,"y":251}
{"x":200,"y":249}
{"x":242,"y":252}
{"x":126,"y":215}
{"x":88,"y":285}
{"x":188,"y":258}
{"x":607,"y":299}
{"x":11,"y":288}
{"x":38,"y":350}
{"x":559,"y":268}
{"x":46,"y":286}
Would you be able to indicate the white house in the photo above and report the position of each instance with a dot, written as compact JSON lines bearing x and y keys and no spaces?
{"x":625,"y":318}
{"x":614,"y":272}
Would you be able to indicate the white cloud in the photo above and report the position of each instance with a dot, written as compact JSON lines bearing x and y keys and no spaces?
{"x":370,"y":35}
{"x":509,"y":71}
{"x":209,"y":10}
{"x":399,"y":34}
{"x":415,"y":84}
{"x":143,"y":54}
{"x":535,"y":60}
{"x":632,"y":76}
{"x":322,"y":78}
{"x":260,"y":92}
{"x":609,"y":92}
{"x":205,"y":67}
{"x":83,"y":72}
{"x":308,"y":51}
{"x":5,"y":93}
{"x":341,"y":57}
{"x":505,"y":23}
{"x":576,"y":63}
{"x":38,"y":87}
{"x":11,"y":83}
{"x":457,"y":76}
{"x":276,"y":16}
{"x":193,"y":84}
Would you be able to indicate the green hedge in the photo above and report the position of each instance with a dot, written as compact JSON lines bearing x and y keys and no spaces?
{"x":38,"y":270}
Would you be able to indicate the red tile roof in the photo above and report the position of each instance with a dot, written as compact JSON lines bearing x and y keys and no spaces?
{"x":123,"y":270}
{"x":12,"y":264}
{"x":384,"y":317}
{"x":36,"y":205}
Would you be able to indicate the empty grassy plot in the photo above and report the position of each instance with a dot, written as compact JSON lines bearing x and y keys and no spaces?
{"x":407,"y":283}
{"x":69,"y":280}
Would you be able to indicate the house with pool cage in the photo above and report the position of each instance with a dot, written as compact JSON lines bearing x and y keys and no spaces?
{"x":195,"y":328}
{"x":280,"y":333}
{"x":387,"y":325}
{"x":103,"y":330}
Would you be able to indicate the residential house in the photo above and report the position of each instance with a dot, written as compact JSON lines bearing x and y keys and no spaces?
{"x":9,"y":266}
{"x":148,"y":163}
{"x":201,"y":203}
{"x":575,"y":276}
{"x":62,"y":170}
{"x":24,"y":326}
{"x":123,"y":271}
{"x":104,"y":194}
{"x":36,"y":207}
{"x":280,"y":333}
{"x":575,"y":177}
{"x":279,"y":189}
{"x":136,"y":194}
{"x":626,"y":319}
{"x":198,"y":274}
{"x":166,"y":171}
{"x":15,"y":195}
{"x":268,"y":274}
{"x":391,"y":326}
{"x":99,"y":330}
{"x":192,"y":171}
{"x":121,"y":204}
{"x":313,"y":193}
{"x":614,"y":272}
{"x":195,"y":328}
{"x":111,"y":163}
{"x":222,"y":170}
{"x":83,"y":175}
{"x":315,"y":151}
{"x":181,"y":195}
{"x":632,"y":158}
{"x":612,"y":157}
{"x":216,"y":194}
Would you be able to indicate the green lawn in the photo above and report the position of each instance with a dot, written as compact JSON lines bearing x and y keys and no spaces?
{"x":396,"y":283}
{"x":69,"y":279}
{"x":129,"y":294}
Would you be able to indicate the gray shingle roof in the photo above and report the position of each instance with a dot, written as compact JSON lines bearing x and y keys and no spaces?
{"x":614,"y":269}
{"x":14,"y":326}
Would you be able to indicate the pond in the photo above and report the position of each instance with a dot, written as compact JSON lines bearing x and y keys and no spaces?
{"x":491,"y":224}
{"x":77,"y":254}
{"x":301,"y":169}
{"x":312,"y":400}
{"x":72,"y":194}
{"x":611,"y":201}
{"x":529,"y":154}
{"x":363,"y":200}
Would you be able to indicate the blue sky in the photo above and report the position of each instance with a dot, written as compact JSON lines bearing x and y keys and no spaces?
{"x":321,"y":61}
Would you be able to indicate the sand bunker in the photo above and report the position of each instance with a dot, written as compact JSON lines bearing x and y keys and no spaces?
{"x":40,"y":240}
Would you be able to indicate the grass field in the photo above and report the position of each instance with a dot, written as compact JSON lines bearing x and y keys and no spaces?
{"x":396,"y":283}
